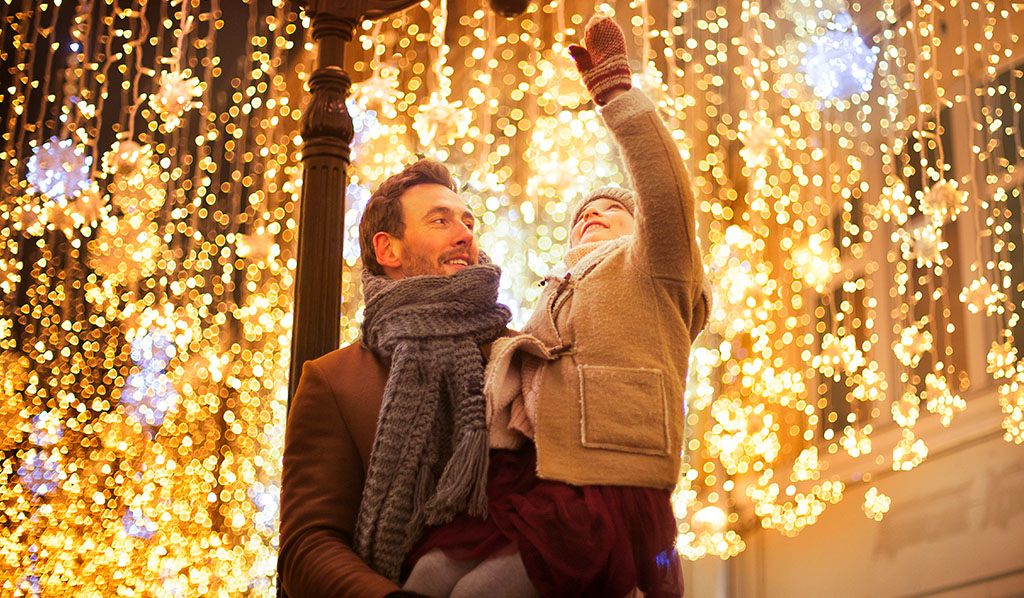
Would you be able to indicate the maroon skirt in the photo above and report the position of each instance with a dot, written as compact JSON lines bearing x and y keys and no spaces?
{"x":585,"y":541}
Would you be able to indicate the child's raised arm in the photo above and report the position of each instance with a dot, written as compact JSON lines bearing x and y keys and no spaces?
{"x":666,"y":240}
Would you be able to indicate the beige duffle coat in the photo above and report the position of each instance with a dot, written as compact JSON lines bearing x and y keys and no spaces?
{"x":608,"y":344}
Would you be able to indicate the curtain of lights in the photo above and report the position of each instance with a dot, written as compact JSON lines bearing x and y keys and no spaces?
{"x":859,"y":190}
{"x":149,"y":176}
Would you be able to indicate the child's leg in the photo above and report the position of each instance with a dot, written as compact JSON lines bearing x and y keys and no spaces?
{"x":498,"y":577}
{"x":435,"y":574}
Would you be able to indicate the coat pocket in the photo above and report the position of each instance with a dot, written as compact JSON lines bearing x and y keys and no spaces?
{"x":623,"y":409}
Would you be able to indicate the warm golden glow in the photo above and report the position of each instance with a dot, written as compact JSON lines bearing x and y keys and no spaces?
{"x":146,"y":283}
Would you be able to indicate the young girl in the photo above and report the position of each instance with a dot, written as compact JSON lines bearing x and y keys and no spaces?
{"x":585,"y":408}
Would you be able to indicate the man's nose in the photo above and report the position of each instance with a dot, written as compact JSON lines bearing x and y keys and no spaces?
{"x":463,"y":234}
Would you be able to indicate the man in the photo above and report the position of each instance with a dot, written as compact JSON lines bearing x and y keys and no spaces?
{"x":414,"y":224}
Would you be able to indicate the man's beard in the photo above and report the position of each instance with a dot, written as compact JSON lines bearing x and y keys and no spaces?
{"x":419,"y":264}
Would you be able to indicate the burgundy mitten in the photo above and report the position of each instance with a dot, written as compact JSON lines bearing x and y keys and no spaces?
{"x":602,"y":63}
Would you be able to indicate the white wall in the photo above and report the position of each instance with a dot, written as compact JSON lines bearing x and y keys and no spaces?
{"x":955,"y":530}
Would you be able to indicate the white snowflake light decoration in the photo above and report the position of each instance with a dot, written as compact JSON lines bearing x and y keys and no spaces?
{"x":58,"y":215}
{"x":152,"y":350}
{"x":760,"y":140}
{"x":356,"y":198}
{"x":59,"y":169}
{"x":440,"y":121}
{"x":943,"y":202}
{"x":839,"y":64}
{"x":923,"y":244}
{"x":176,"y":95}
{"x":856,"y":442}
{"x":1011,"y":400}
{"x":806,"y":465}
{"x":909,"y":452}
{"x":940,"y":400}
{"x":913,"y":342}
{"x":1002,"y":357}
{"x":87,"y":209}
{"x":906,"y":410}
{"x":893,"y":204}
{"x":981,"y":295}
{"x":876,"y":504}
{"x":816,"y":263}
{"x":839,"y":354}
{"x":869,"y":383}
{"x":127,"y":158}
{"x":379,"y":92}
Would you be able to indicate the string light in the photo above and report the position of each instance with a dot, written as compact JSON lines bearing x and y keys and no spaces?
{"x":146,"y":268}
{"x":149,"y":221}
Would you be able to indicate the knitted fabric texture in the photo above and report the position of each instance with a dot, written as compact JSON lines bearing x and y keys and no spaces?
{"x":624,"y":196}
{"x":602,"y":64}
{"x":429,"y":457}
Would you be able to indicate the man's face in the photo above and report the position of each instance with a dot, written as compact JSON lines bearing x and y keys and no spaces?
{"x":603,"y":219}
{"x":438,"y":235}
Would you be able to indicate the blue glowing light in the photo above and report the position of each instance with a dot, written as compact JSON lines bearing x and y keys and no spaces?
{"x":356,"y":198}
{"x":267,"y":499}
{"x":365,"y":124}
{"x":47,"y":429}
{"x":153,"y":350}
{"x":839,"y":64}
{"x":666,"y":559}
{"x":148,"y":394}
{"x":137,"y":525}
{"x":30,"y":586}
{"x":41,"y":471}
{"x":59,"y":169}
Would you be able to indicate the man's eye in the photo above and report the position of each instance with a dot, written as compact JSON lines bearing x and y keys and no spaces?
{"x":438,"y":220}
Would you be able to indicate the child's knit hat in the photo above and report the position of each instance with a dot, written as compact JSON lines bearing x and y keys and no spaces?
{"x":624,"y":196}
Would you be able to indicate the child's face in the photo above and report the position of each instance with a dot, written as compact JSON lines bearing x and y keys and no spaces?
{"x":603,"y":219}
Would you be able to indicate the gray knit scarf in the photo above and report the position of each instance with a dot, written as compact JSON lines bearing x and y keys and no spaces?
{"x":429,"y":458}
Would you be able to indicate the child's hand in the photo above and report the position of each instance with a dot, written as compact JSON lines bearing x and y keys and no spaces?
{"x":602,"y":64}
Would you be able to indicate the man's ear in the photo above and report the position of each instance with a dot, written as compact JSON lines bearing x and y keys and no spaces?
{"x":386,"y":248}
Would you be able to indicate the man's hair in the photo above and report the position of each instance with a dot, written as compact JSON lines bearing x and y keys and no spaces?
{"x":384,"y":211}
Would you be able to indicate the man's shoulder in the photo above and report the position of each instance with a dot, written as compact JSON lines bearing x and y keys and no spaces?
{"x":353,"y":356}
{"x":341,"y":357}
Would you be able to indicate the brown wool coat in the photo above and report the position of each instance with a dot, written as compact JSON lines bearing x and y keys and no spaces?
{"x":614,"y":338}
{"x":331,"y":425}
